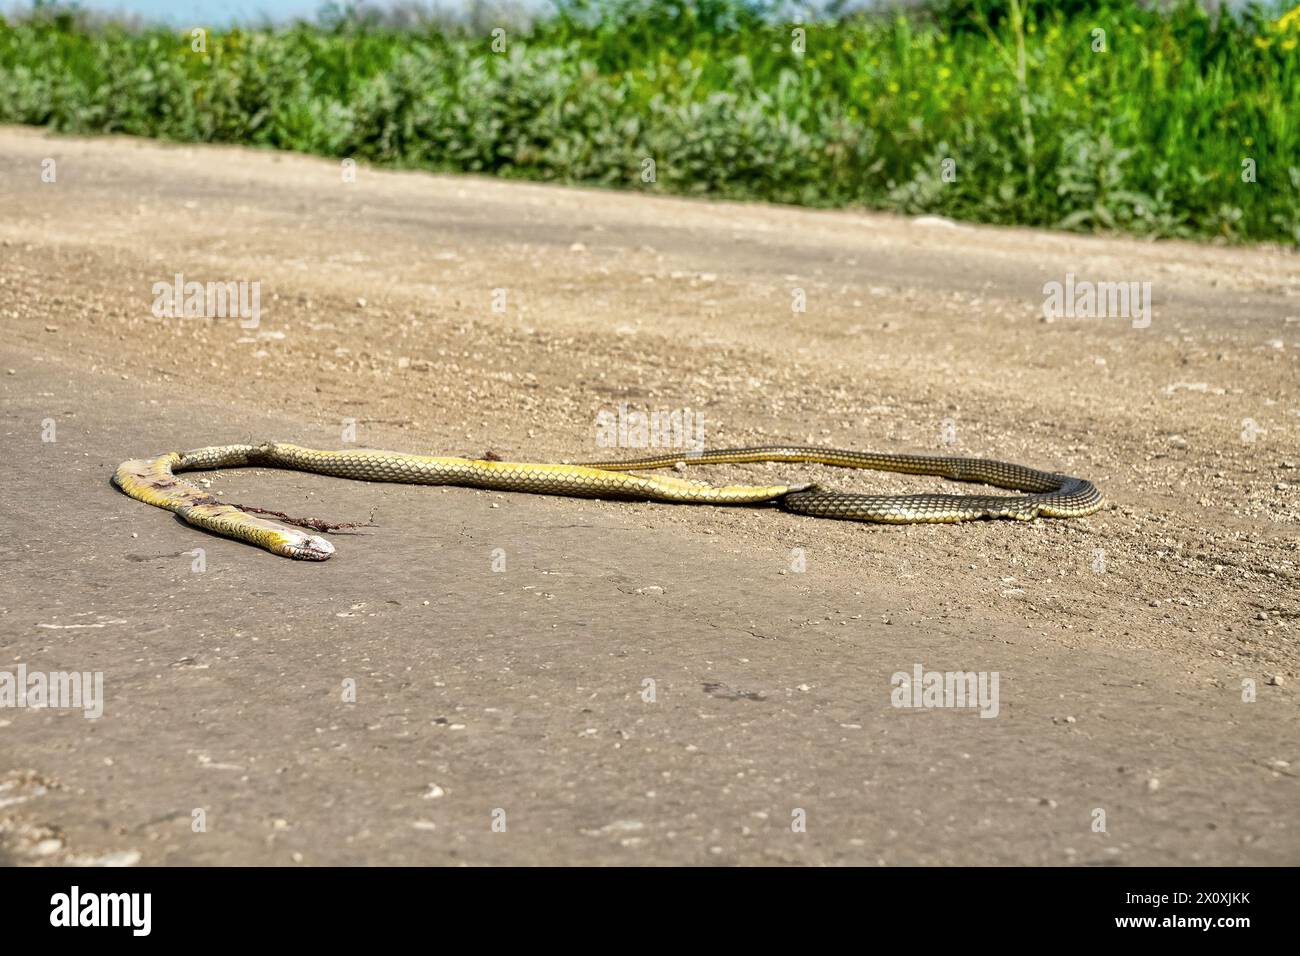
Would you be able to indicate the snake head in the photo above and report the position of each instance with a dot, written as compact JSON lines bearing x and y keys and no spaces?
{"x":304,"y":547}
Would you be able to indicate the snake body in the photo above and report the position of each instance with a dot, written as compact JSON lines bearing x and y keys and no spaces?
{"x":154,"y":482}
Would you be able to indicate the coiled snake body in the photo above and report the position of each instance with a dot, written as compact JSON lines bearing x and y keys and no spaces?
{"x":1049,"y":495}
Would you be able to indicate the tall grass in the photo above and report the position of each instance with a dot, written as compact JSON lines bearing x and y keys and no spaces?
{"x":1010,"y":98}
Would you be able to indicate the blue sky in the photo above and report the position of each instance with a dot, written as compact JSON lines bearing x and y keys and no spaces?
{"x":215,"y":12}
{"x":182,"y":12}
{"x":223,"y":12}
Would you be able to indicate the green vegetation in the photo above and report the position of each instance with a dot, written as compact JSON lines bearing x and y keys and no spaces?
{"x":1151,"y":136}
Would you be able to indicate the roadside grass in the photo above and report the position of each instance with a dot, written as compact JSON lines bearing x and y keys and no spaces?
{"x":1169,"y":122}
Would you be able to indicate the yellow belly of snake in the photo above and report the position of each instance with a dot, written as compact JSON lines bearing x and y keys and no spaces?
{"x":1049,"y":495}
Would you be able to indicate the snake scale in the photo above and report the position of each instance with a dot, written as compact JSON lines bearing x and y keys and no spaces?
{"x":154,"y":482}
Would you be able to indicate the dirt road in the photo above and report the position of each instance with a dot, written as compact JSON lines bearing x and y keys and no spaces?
{"x":494,"y":678}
